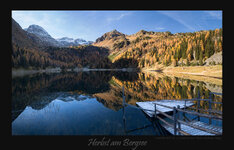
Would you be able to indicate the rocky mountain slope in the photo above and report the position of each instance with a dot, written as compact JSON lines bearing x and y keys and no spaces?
{"x":152,"y":49}
{"x":108,"y":39}
{"x":23,"y":38}
{"x":43,"y":35}
{"x":215,"y":59}
{"x":66,"y":42}
{"x":48,"y":40}
{"x":144,"y":49}
{"x":30,"y":51}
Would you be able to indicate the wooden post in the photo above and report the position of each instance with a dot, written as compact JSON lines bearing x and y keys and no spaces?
{"x":175,"y":120}
{"x":178,"y":117}
{"x":198,"y":100}
{"x":155,"y":112}
{"x":123,"y":96}
{"x":124,"y":120}
{"x":210,"y":97}
{"x":198,"y":97}
{"x":210,"y":100}
{"x":184,"y":108}
{"x":198,"y":105}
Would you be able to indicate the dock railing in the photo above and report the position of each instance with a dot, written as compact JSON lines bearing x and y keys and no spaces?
{"x":176,"y":125}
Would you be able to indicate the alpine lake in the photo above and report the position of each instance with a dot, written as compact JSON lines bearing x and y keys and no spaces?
{"x":91,"y":102}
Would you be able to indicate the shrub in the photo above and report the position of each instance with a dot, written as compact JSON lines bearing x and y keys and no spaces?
{"x":119,"y":44}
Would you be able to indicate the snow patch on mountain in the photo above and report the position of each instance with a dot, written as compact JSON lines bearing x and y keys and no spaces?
{"x":50,"y":41}
{"x":42,"y":34}
{"x":66,"y":41}
{"x":38,"y":30}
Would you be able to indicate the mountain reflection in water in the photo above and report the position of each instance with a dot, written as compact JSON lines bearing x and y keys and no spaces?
{"x":77,"y":99}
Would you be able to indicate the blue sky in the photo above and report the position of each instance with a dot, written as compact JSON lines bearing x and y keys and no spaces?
{"x":90,"y":25}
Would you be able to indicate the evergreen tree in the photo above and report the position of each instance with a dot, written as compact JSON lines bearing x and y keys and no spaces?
{"x":187,"y":62}
{"x":197,"y":52}
{"x":201,"y":59}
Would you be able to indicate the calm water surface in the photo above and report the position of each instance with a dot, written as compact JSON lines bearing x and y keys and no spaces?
{"x":90,"y":103}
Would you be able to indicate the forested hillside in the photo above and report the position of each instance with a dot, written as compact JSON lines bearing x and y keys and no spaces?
{"x":117,"y":50}
{"x":82,"y":56}
{"x":28,"y":51}
{"x":154,"y":48}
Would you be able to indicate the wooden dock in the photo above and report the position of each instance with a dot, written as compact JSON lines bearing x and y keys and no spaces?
{"x":149,"y":107}
{"x":157,"y":109}
{"x":179,"y":126}
{"x":193,"y":131}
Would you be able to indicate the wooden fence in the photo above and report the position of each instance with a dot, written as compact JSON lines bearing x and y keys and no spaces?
{"x":177,"y":122}
{"x":176,"y":125}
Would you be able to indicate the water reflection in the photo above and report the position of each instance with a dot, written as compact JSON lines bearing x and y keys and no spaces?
{"x":61,"y":94}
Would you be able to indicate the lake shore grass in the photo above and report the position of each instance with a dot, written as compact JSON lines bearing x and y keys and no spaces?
{"x":211,"y":74}
{"x":208,"y":71}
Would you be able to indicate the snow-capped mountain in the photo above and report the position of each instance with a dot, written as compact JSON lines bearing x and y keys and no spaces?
{"x":42,"y":34}
{"x":66,"y":41}
{"x":48,"y":40}
{"x":23,"y":38}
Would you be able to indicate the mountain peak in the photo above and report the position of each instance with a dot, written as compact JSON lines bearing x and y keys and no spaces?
{"x":142,"y":32}
{"x":35,"y":26}
{"x":110,"y":35}
{"x":42,"y":34}
{"x":114,"y":31}
{"x":36,"y":29}
{"x":22,"y":38}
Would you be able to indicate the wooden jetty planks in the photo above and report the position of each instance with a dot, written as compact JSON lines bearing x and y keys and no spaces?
{"x":193,"y":128}
{"x":207,"y":126}
{"x":148,"y":107}
{"x":187,"y":129}
{"x":192,"y":131}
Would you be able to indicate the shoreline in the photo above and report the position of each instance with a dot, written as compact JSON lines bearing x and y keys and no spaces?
{"x":207,"y":71}
{"x":210,"y":74}
{"x":22,"y":72}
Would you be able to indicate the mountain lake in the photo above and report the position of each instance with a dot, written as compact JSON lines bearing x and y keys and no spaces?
{"x":91,"y":103}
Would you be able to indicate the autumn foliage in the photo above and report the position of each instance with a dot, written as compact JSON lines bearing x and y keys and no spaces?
{"x":152,"y":48}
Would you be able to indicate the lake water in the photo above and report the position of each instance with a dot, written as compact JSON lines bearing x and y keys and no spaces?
{"x":90,"y":103}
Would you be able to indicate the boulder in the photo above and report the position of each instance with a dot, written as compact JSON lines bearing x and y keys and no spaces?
{"x":215,"y":59}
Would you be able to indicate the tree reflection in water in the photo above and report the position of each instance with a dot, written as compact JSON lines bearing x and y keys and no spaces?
{"x":39,"y":90}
